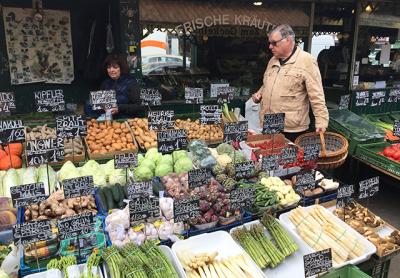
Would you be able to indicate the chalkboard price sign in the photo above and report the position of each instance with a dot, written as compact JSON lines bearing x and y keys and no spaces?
{"x":7,"y":103}
{"x":235,"y":131}
{"x":378,"y":98}
{"x":396,"y":128}
{"x":82,"y":186}
{"x":225,"y":94}
{"x":245,"y":170}
{"x":362,"y":98}
{"x":143,"y":207}
{"x":394,"y":96}
{"x":139,"y":188}
{"x":344,"y":102}
{"x":11,"y":131}
{"x":185,"y":209}
{"x":270,"y":162}
{"x":71,"y":126}
{"x":125,"y":160}
{"x":210,"y":114}
{"x":198,"y":177}
{"x":317,"y":262}
{"x":242,"y":198}
{"x":172,"y":140}
{"x":193,"y":95}
{"x":44,"y":151}
{"x":30,"y":232}
{"x":273,"y":123}
{"x":101,"y":100}
{"x":311,"y":152}
{"x":49,"y":100}
{"x":75,"y":226}
{"x":289,"y":155}
{"x":305,"y":180}
{"x":27,"y":194}
{"x":344,"y":195}
{"x":368,"y":188}
{"x":150,"y":97}
{"x":158,"y":120}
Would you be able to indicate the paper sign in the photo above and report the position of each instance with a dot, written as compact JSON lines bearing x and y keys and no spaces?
{"x":210,"y":114}
{"x":102,"y":100}
{"x":150,"y":97}
{"x":193,"y":95}
{"x":214,"y":89}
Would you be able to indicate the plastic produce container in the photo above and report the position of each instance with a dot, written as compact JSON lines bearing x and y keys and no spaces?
{"x":348,"y":271}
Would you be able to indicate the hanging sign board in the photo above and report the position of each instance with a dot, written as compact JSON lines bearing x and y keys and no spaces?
{"x":210,"y":114}
{"x":198,"y":177}
{"x":362,"y":98}
{"x":344,"y":195}
{"x":76,"y":187}
{"x":273,"y":123}
{"x":158,"y":120}
{"x":235,"y":131}
{"x":394,"y":96}
{"x":214,"y":88}
{"x":225,"y":94}
{"x":193,"y":95}
{"x":43,"y":151}
{"x":171,"y":140}
{"x":318,"y":262}
{"x":242,"y":198}
{"x":71,"y":126}
{"x":125,"y":160}
{"x":139,"y":188}
{"x":185,"y":209}
{"x":27,"y":194}
{"x":75,"y":226}
{"x":49,"y":101}
{"x":143,"y":207}
{"x":12,"y":131}
{"x":378,"y":98}
{"x":102,"y":100}
{"x":150,"y":97}
{"x":33,"y":231}
{"x":7,"y":103}
{"x":368,"y":188}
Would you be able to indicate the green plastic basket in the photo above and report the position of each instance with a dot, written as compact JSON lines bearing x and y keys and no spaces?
{"x":348,"y":271}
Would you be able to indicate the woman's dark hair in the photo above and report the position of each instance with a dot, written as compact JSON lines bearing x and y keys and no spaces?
{"x":118,"y":59}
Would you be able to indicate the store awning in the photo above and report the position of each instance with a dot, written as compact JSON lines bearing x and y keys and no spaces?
{"x":179,"y":12}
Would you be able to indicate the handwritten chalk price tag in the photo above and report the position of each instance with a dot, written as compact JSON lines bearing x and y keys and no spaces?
{"x":44,"y":151}
{"x":193,"y":95}
{"x":101,"y":100}
{"x":150,"y":97}
{"x":305,"y":180}
{"x":7,"y":103}
{"x":11,"y":131}
{"x":368,"y":188}
{"x":318,"y":262}
{"x":344,"y":102}
{"x":71,"y":126}
{"x":242,"y":198}
{"x":270,"y":162}
{"x":273,"y":123}
{"x":75,"y":226}
{"x":125,"y":160}
{"x":171,"y":140}
{"x":185,"y":209}
{"x":235,"y":131}
{"x":30,"y":232}
{"x":210,"y":114}
{"x":76,"y":187}
{"x":198,"y":177}
{"x":139,"y":188}
{"x":245,"y":170}
{"x":225,"y":94}
{"x":27,"y":194}
{"x":344,"y":195}
{"x":49,"y":100}
{"x":311,"y":152}
{"x":396,"y":128}
{"x":143,"y":207}
{"x":158,"y":120}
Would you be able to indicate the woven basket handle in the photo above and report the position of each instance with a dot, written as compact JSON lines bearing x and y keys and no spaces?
{"x":323,"y":147}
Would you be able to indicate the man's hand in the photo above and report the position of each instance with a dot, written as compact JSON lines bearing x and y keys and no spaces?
{"x":320,"y":129}
{"x":113,"y":110}
{"x":256,"y":97}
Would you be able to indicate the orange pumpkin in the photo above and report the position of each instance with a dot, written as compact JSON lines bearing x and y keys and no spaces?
{"x":2,"y":154}
{"x":14,"y":148}
{"x":8,"y":162}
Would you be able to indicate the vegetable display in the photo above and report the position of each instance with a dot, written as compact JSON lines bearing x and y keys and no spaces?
{"x":107,"y":137}
{"x":286,"y":195}
{"x":10,"y":156}
{"x":319,"y":229}
{"x":392,"y":152}
{"x":146,"y":138}
{"x":195,"y":130}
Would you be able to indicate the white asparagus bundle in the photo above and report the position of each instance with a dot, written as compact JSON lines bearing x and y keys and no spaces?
{"x":320,"y":230}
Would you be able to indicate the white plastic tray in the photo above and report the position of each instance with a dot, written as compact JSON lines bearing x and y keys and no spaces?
{"x":292,"y":265}
{"x":209,"y":242}
{"x":370,"y":249}
{"x":81,"y":269}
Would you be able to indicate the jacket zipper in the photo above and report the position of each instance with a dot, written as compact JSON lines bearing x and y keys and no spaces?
{"x":272,"y":89}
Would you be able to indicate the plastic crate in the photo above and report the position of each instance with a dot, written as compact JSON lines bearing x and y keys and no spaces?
{"x":376,"y":268}
{"x":369,"y":153}
{"x":372,"y":107}
{"x":348,"y":271}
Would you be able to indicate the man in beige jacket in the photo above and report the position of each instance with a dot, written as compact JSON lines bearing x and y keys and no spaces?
{"x":291,"y":83}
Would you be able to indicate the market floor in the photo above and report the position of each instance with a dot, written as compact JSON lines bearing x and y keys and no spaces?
{"x":387,"y":205}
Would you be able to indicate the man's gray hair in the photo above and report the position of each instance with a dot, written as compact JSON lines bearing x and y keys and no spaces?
{"x":285,"y":31}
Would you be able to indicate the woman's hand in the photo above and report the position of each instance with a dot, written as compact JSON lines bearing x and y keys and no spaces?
{"x":113,"y":110}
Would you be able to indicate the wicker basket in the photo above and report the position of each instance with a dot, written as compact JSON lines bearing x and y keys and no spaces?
{"x":334,"y":148}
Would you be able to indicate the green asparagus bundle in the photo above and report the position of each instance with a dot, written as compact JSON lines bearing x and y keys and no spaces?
{"x":132,"y":268}
{"x":252,"y":247}
{"x":114,"y":261}
{"x":132,"y":250}
{"x":281,"y":237}
{"x":93,"y":261}
{"x":274,"y":254}
{"x":153,"y":252}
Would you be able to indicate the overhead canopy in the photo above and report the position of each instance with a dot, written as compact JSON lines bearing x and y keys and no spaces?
{"x":178,"y":12}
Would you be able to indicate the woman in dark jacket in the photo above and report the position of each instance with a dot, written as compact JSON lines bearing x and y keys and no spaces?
{"x":125,"y":86}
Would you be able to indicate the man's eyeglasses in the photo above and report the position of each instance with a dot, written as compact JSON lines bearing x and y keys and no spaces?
{"x":274,"y":43}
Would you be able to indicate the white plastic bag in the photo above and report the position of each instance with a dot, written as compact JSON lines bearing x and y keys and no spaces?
{"x":252,"y":111}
